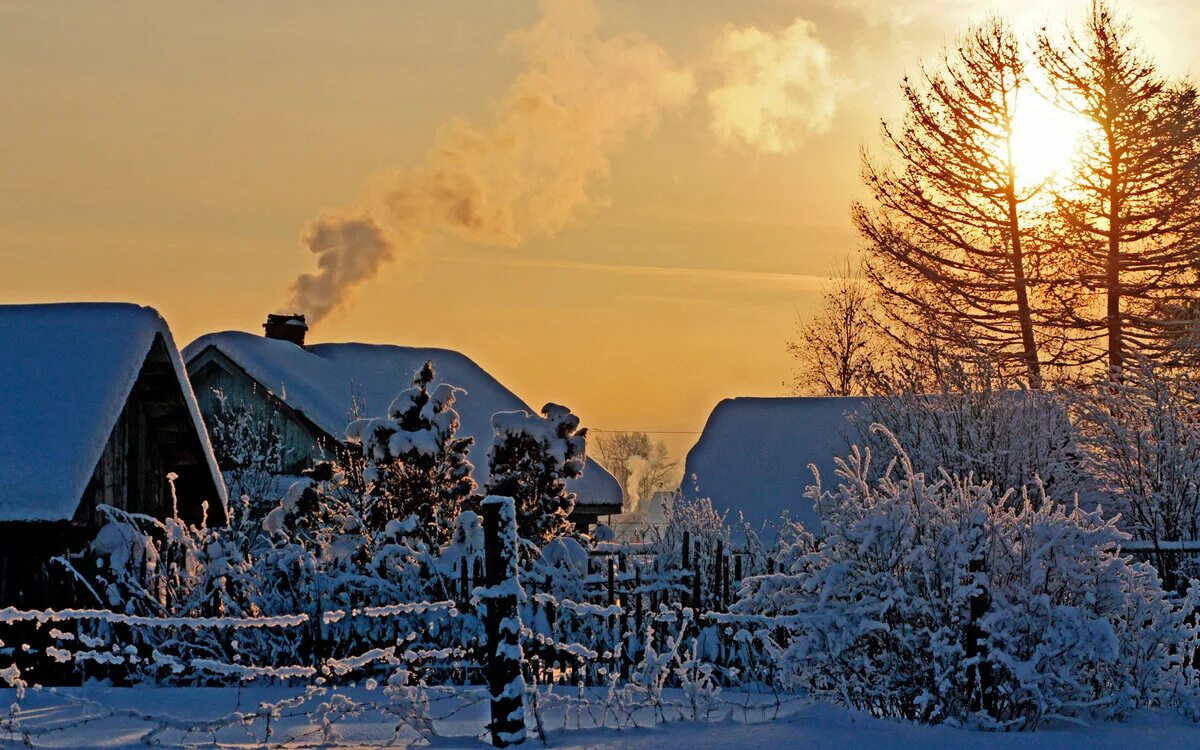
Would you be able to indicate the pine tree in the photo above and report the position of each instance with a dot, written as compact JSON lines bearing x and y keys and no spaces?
{"x":416,"y":465}
{"x":1129,"y":213}
{"x":948,"y":240}
{"x":530,"y":461}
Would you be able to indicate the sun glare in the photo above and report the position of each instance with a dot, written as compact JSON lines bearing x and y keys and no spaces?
{"x":1045,"y":139}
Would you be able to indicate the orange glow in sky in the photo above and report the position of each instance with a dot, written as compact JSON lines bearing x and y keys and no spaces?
{"x":666,"y":226}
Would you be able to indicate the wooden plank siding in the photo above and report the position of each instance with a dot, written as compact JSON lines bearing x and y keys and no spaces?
{"x":303,"y":442}
{"x":153,"y":436}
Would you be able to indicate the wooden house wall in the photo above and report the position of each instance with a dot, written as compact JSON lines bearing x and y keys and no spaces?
{"x":153,"y":436}
{"x":302,"y":445}
{"x":28,"y":578}
{"x":131,"y":473}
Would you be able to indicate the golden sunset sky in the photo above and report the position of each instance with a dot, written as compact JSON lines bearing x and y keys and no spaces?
{"x":652,"y":224}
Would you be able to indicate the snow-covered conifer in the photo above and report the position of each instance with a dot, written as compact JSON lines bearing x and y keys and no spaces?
{"x":530,"y":460}
{"x":416,"y":464}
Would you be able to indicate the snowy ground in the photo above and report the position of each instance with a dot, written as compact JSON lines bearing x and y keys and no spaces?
{"x":97,"y":717}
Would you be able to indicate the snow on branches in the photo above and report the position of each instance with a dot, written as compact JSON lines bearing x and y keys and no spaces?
{"x":1140,"y":435}
{"x":416,"y":465}
{"x":530,"y":461}
{"x":941,"y":599}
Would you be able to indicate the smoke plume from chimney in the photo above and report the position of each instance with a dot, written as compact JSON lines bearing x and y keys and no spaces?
{"x":527,"y":171}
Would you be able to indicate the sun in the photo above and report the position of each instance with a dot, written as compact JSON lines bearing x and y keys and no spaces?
{"x":1045,"y":140}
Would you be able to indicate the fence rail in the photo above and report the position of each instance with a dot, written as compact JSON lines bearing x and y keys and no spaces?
{"x":627,"y":602}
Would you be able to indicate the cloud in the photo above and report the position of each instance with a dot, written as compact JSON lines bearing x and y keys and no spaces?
{"x":529,"y":169}
{"x":778,"y":88}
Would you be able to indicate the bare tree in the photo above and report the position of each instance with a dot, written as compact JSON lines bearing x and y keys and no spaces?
{"x":1141,"y":440}
{"x":948,"y":239}
{"x":1130,"y":212}
{"x":834,"y":348}
{"x":641,"y":466}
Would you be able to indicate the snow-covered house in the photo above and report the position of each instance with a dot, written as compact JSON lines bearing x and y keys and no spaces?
{"x":95,"y":409}
{"x":309,"y":394}
{"x":754,"y":454}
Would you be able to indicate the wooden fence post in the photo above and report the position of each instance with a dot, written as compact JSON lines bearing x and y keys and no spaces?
{"x":979,"y":677}
{"x":502,"y":622}
{"x":687,"y":556}
{"x":725,"y":597}
{"x":718,"y":560}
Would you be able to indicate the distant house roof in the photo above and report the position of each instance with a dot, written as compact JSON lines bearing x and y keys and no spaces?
{"x":66,"y":372}
{"x":322,"y":381}
{"x":754,"y":454}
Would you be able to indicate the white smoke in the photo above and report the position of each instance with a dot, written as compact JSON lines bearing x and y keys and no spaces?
{"x":778,"y":87}
{"x":529,"y":170}
{"x":637,"y":466}
{"x":350,"y":249}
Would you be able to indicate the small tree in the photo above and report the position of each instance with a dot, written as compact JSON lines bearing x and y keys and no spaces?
{"x":416,"y":465}
{"x":249,"y":449}
{"x":640,"y":466}
{"x":530,"y":461}
{"x":834,"y":349}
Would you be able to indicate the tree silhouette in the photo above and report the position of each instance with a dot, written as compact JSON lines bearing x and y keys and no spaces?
{"x":834,"y":349}
{"x":1130,"y":213}
{"x":948,"y":244}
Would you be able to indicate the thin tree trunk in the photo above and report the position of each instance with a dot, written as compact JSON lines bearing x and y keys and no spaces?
{"x":1020,"y":283}
{"x":1113,"y":265}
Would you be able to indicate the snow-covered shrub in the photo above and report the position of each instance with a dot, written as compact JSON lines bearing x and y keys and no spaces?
{"x":139,"y":565}
{"x":310,"y":555}
{"x":530,"y":460}
{"x":1141,"y":440}
{"x":416,"y":464}
{"x":466,"y":544}
{"x":249,"y":448}
{"x":563,"y":567}
{"x":698,"y":519}
{"x":699,"y":523}
{"x":323,"y":556}
{"x":942,"y":599}
{"x":982,"y":428}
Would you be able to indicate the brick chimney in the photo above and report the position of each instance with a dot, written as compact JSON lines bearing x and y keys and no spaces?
{"x":286,"y":328}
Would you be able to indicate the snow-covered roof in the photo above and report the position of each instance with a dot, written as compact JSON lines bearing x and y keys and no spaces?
{"x":66,"y":371}
{"x":321,"y":380}
{"x":754,"y":454}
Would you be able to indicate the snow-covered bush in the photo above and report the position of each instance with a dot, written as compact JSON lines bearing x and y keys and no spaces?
{"x":981,"y":428}
{"x":1141,"y":440}
{"x":249,"y":448}
{"x":415,"y":462}
{"x":530,"y":460}
{"x":311,"y":555}
{"x":942,"y":599}
{"x":697,"y":518}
